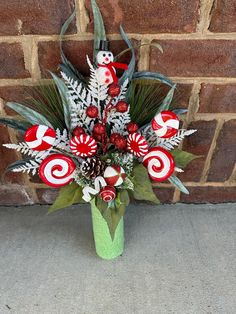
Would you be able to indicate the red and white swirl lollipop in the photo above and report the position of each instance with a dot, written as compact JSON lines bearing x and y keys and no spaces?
{"x":83,"y":145}
{"x":57,"y":170}
{"x":165,"y":124}
{"x":40,"y":137}
{"x":159,"y":163}
{"x":137,"y":144}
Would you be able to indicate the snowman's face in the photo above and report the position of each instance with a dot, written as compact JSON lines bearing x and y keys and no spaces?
{"x":104,"y":57}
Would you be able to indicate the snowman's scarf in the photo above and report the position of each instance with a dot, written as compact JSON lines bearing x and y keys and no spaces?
{"x":111,"y":67}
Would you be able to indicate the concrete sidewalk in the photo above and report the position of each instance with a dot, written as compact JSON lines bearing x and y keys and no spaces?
{"x":179,"y":259}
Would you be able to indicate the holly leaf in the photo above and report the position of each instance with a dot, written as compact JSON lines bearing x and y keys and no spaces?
{"x":142,"y":185}
{"x":68,"y":195}
{"x":183,"y":158}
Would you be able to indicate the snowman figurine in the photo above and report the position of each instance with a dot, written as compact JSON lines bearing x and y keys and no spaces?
{"x":106,"y":72}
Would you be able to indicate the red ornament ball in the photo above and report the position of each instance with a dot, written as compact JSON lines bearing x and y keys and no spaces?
{"x":40,"y":137}
{"x":132,"y":127}
{"x":97,"y":137}
{"x":99,"y":128}
{"x":114,"y":90}
{"x":113,"y":137}
{"x":108,"y":193}
{"x":122,"y":106}
{"x":78,"y":131}
{"x":92,"y":112}
{"x":120,"y":142}
{"x":137,"y":145}
{"x":83,"y":145}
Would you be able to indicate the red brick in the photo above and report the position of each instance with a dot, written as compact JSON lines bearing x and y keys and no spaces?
{"x":76,"y":51}
{"x":209,"y":194}
{"x":224,"y":157}
{"x":47,"y":196}
{"x":15,"y":195}
{"x":165,"y":195}
{"x":176,"y":16}
{"x":195,"y":58}
{"x":198,"y":144}
{"x":223,"y":16}
{"x":20,"y":94}
{"x":12,"y":61}
{"x":34,"y":17}
{"x":7,"y":156}
{"x":182,"y":95}
{"x":217,"y":98}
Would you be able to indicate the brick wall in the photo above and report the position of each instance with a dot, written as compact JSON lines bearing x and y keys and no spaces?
{"x":199,"y":42}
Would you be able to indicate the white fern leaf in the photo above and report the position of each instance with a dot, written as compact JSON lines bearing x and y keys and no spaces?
{"x":30,"y":166}
{"x":23,"y":148}
{"x":173,"y":141}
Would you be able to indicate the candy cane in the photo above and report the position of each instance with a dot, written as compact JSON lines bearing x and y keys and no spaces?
{"x":88,"y":192}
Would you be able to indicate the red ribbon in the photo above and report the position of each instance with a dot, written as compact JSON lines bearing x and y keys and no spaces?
{"x":111,"y":67}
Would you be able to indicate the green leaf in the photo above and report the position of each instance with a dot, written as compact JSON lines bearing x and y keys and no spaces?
{"x":182,"y":158}
{"x":167,"y":101}
{"x":180,"y":111}
{"x":66,"y":65}
{"x":21,"y":126}
{"x":99,"y":29}
{"x":145,"y":75}
{"x":129,"y":73}
{"x":63,"y":90}
{"x":113,"y":212}
{"x":29,"y":114}
{"x":68,"y":195}
{"x":142,"y":185}
{"x":175,"y":181}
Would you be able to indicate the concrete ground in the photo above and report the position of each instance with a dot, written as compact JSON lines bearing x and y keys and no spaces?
{"x":178,"y":259}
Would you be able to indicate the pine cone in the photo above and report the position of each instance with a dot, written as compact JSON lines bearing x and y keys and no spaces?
{"x":92,"y":167}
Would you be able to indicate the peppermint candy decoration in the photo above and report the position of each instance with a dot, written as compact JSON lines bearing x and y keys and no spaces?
{"x":83,"y":145}
{"x":114,"y":175}
{"x":165,"y":124}
{"x":137,"y":144}
{"x":40,"y":137}
{"x":57,"y":170}
{"x":108,"y":193}
{"x":159,"y":163}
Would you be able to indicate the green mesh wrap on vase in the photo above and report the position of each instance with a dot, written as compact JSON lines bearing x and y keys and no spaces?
{"x":105,"y":247}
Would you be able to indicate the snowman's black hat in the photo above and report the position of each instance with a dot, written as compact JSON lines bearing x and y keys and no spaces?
{"x":104,"y":45}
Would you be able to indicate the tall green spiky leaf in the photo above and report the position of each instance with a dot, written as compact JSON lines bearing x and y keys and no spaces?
{"x":145,"y":75}
{"x":167,"y":101}
{"x":99,"y":29}
{"x":20,"y":126}
{"x":176,"y":181}
{"x":30,"y":115}
{"x":129,"y":73}
{"x":66,"y":66}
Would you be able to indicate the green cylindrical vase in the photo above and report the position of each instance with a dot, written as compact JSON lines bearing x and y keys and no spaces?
{"x":106,"y":248}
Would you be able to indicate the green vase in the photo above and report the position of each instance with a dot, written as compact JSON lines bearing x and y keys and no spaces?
{"x":105,"y":247}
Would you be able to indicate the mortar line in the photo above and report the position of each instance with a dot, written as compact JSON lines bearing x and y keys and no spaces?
{"x":83,"y":17}
{"x":208,"y":160}
{"x":232,"y":178}
{"x":205,"y":15}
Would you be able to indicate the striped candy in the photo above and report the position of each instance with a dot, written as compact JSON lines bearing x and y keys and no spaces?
{"x":40,"y":137}
{"x":57,"y":170}
{"x":83,"y":145}
{"x":108,"y":193}
{"x":165,"y":124}
{"x":159,"y":163}
{"x":137,"y":144}
{"x":114,"y":175}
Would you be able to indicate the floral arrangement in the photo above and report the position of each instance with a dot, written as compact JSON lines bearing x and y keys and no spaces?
{"x":105,"y":139}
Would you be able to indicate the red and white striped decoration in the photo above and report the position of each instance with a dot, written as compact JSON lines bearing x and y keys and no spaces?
{"x":57,"y":170}
{"x":108,"y":193}
{"x":159,"y":163}
{"x":137,"y":144}
{"x":40,"y":137}
{"x":114,"y":175}
{"x":165,"y":124}
{"x":83,"y":145}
